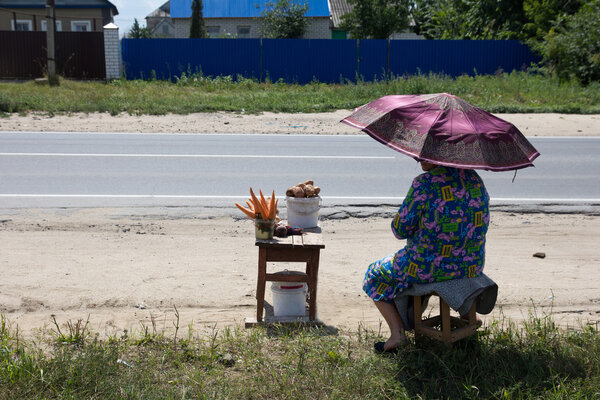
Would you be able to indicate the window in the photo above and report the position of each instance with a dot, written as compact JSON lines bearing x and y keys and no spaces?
{"x":213,"y":31}
{"x":22,"y":25}
{"x":243,"y":31}
{"x":58,"y":25}
{"x":81,"y":26}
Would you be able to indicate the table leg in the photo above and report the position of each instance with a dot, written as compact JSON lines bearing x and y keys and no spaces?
{"x":312,"y":270}
{"x":260,"y":288}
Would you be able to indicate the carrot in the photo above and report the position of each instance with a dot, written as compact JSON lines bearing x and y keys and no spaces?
{"x":249,"y":213}
{"x":264,"y":204}
{"x":273,"y":207}
{"x":257,"y":206}
{"x":274,"y":212}
{"x":250,"y":205}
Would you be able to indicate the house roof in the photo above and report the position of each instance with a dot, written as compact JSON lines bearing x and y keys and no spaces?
{"x":241,"y":8}
{"x":59,"y":4}
{"x":338,"y":8}
{"x":163,"y":11}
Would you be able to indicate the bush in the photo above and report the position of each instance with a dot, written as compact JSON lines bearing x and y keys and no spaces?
{"x":573,"y":51}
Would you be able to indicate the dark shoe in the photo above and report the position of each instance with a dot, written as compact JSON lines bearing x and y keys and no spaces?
{"x":379,"y":349}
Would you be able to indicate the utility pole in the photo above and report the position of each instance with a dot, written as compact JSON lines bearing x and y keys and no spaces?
{"x":50,"y":26}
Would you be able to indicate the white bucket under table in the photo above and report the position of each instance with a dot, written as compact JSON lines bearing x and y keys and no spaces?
{"x":289,"y":299}
{"x":303,"y":212}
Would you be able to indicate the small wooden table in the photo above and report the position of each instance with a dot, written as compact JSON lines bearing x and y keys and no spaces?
{"x":294,"y":248}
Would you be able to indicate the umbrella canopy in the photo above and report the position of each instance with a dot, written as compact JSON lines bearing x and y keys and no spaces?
{"x":446,"y":130}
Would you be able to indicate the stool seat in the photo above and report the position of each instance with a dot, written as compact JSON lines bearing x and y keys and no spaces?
{"x":444,"y":327}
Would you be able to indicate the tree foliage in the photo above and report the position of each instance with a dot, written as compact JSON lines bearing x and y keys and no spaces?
{"x":284,"y":19}
{"x":376,"y":19}
{"x":197,"y":28}
{"x":137,"y":32}
{"x":544,"y":15}
{"x":572,"y":50}
{"x":469,"y":19}
{"x":489,"y":19}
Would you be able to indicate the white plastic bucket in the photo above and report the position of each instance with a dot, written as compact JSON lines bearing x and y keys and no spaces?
{"x":289,"y":299}
{"x":303,"y":212}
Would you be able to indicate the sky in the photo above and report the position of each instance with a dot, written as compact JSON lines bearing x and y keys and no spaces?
{"x":131,"y":9}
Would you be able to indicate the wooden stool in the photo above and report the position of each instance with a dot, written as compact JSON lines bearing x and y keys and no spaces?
{"x":450,"y":328}
{"x":294,"y":248}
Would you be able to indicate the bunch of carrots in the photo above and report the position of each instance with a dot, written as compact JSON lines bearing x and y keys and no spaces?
{"x":260,"y":208}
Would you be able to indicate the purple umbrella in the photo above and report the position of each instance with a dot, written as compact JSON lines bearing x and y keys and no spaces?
{"x":446,"y":130}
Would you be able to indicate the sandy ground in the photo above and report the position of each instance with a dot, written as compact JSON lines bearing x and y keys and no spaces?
{"x":126,"y":270}
{"x":123,"y":272}
{"x":321,"y":123}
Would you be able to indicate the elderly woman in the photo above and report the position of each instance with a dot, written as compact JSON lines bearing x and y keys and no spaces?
{"x":444,"y":219}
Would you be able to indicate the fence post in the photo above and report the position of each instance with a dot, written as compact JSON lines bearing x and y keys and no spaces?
{"x":112,"y":52}
{"x":50,"y":42}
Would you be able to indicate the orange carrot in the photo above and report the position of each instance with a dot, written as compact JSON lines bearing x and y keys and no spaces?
{"x":257,"y":206}
{"x":264,"y":204}
{"x":272,"y":207}
{"x":249,"y":213}
{"x":274,"y":211}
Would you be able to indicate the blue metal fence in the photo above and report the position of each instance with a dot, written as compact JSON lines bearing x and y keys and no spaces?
{"x":169,"y":58}
{"x":331,"y":61}
{"x":372,"y":59}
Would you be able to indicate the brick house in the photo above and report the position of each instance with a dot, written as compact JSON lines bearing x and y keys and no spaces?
{"x":71,"y":15}
{"x":159,"y":22}
{"x":241,"y":18}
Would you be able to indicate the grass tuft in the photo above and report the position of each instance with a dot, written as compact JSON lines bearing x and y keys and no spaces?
{"x":532,"y":361}
{"x":516,"y":92}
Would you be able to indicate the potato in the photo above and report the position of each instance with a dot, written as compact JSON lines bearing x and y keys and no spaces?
{"x":290,"y":192}
{"x":298,"y":191}
{"x":317,"y":190}
{"x":309,"y":191}
{"x":301,"y":185}
{"x":309,"y":182}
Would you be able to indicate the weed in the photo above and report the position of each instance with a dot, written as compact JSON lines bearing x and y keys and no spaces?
{"x":192,"y":91}
{"x":536,"y":360}
{"x":76,"y":333}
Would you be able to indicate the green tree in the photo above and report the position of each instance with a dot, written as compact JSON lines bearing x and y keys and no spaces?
{"x":470,"y":19}
{"x":572,"y":50}
{"x":443,"y":19}
{"x":284,"y":19}
{"x":137,"y":32}
{"x":376,"y":19}
{"x":543,"y":15}
{"x":494,"y":19}
{"x":197,"y":28}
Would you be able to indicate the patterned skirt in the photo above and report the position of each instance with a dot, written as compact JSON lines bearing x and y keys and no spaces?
{"x":381,"y":281}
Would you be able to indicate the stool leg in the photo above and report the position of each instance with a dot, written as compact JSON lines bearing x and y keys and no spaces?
{"x":418,"y":311}
{"x":312,"y":270}
{"x":473,"y":314}
{"x":446,"y":325}
{"x":260,"y":288}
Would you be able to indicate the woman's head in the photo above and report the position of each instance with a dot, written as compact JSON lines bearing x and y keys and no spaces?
{"x":427,"y":166}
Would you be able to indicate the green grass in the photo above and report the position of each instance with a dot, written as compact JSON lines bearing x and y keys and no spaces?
{"x":516,"y":92}
{"x":534,"y":361}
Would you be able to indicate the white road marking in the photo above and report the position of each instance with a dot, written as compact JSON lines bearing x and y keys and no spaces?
{"x":351,"y":134}
{"x":374,"y":198}
{"x":195,"y":156}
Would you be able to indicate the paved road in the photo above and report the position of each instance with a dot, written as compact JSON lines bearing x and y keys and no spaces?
{"x":103,"y":169}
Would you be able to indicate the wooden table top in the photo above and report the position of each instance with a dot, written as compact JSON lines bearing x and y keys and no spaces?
{"x":310,"y":238}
